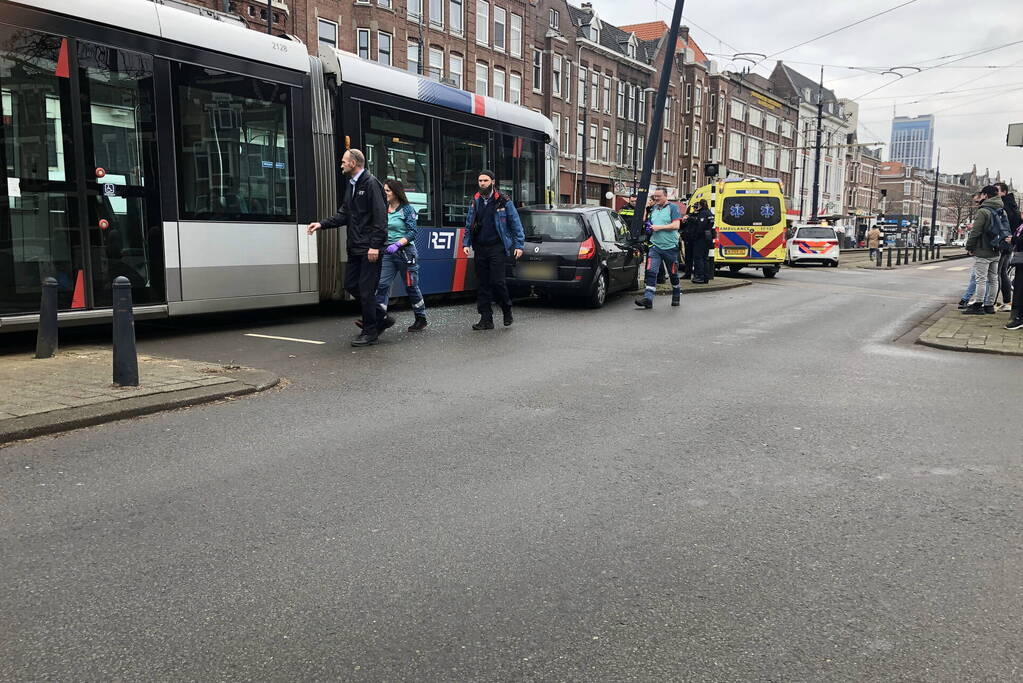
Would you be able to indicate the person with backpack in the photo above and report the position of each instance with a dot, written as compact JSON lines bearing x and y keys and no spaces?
{"x":1012,"y":213}
{"x":988,"y":237}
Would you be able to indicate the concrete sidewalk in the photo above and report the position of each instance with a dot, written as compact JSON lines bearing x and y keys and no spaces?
{"x":74,"y":390}
{"x":950,"y":329}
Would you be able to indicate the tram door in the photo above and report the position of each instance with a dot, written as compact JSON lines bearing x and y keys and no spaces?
{"x":78,"y":148}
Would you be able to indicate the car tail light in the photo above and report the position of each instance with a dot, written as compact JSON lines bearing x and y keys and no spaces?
{"x":587,"y":249}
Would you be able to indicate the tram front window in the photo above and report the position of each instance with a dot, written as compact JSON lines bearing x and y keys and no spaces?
{"x":398,"y":146}
{"x":234,"y":147}
{"x":39,"y":220}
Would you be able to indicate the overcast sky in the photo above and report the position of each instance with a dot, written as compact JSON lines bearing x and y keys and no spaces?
{"x":980,"y":103}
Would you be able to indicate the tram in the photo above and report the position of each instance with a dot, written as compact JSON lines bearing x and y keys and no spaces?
{"x":188,"y":154}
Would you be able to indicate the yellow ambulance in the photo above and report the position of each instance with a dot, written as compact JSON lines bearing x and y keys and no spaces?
{"x":749,"y":220}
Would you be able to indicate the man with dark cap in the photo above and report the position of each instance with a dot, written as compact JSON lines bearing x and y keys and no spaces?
{"x":493,"y":232}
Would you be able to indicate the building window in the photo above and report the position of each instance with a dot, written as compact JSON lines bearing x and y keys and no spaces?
{"x":515,"y":89}
{"x":685,"y":142}
{"x":556,"y":120}
{"x":580,"y":138}
{"x":582,"y":87}
{"x":554,"y":19}
{"x":413,"y":57}
{"x":537,"y":70}
{"x":516,"y":35}
{"x":786,"y":161}
{"x":696,"y":142}
{"x":631,"y":50}
{"x":607,"y":94}
{"x":605,"y":143}
{"x":721,"y":106}
{"x":500,"y":20}
{"x":499,"y":92}
{"x":621,"y":100}
{"x":756,"y":117}
{"x":483,"y":22}
{"x":712,"y":106}
{"x":619,"y":147}
{"x":455,"y":70}
{"x":685,"y":181}
{"x":753,"y":152}
{"x":664,"y":157}
{"x":698,"y":100}
{"x":640,"y":155}
{"x":738,"y":111}
{"x":384,"y":3}
{"x":770,"y":123}
{"x":632,"y":102}
{"x":436,"y":63}
{"x":712,"y":143}
{"x":437,"y":13}
{"x":735,"y":147}
{"x":362,"y":42}
{"x":630,"y":146}
{"x":770,"y":156}
{"x":667,"y":111}
{"x":592,"y":152}
{"x":384,"y":48}
{"x":326,"y":32}
{"x":594,"y":90}
{"x":567,"y":132}
{"x":455,"y":16}
{"x":415,"y":9}
{"x":482,"y":78}
{"x":556,"y":75}
{"x":689,"y":97}
{"x":567,"y":90}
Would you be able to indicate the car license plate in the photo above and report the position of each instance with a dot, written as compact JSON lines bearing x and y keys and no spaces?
{"x":537,"y":271}
{"x":733,"y":251}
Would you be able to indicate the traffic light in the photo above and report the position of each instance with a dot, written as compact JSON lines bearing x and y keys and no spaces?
{"x":710,"y":169}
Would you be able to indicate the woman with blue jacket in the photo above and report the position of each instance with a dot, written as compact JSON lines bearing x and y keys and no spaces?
{"x":400,"y":256}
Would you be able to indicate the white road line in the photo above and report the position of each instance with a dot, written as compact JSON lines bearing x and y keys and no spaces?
{"x":959,"y":268}
{"x":928,"y":267}
{"x":291,"y":339}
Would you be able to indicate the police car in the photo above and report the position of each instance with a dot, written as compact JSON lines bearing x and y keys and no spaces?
{"x":812,"y":244}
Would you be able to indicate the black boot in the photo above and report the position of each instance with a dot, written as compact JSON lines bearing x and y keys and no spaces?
{"x":485,"y":323}
{"x":419,"y":324}
{"x":990,"y":310}
{"x":1015,"y":324}
{"x":508,"y":319}
{"x":974,"y":309}
{"x":364,"y":340}
{"x":386,"y":322}
{"x":644,"y":303}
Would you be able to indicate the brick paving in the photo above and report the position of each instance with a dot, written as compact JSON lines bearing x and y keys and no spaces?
{"x":980,"y":333}
{"x":75,"y":389}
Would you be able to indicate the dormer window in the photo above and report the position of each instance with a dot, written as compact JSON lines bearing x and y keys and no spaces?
{"x":806,"y":94}
{"x":593,"y":33}
{"x":632,"y":50}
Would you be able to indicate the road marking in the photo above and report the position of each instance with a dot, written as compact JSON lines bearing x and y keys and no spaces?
{"x":959,"y":268}
{"x":291,"y":339}
{"x":928,"y":267}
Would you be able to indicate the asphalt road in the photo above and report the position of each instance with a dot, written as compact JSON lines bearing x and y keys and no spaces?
{"x":760,"y":485}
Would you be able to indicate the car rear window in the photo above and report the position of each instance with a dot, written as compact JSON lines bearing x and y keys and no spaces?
{"x":553,"y":227}
{"x":816,"y":234}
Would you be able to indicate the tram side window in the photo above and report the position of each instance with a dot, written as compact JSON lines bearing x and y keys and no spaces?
{"x":516,"y":169}
{"x":235,"y":153}
{"x":464,"y":154}
{"x":398,"y":146}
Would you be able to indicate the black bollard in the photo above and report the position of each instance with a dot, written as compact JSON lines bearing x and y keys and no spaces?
{"x":889,"y":257}
{"x":898,"y":256}
{"x":878,"y":256}
{"x":938,"y":254}
{"x":126,"y":362}
{"x":46,"y":333}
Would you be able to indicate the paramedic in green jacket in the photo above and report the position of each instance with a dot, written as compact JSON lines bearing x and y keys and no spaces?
{"x":665,"y":219}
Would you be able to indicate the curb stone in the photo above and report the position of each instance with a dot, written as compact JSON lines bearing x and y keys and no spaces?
{"x":244,"y":381}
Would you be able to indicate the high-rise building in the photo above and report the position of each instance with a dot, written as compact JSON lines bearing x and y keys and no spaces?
{"x":913,"y":141}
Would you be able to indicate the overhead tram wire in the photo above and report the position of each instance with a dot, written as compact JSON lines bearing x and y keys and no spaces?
{"x":833,"y":32}
{"x":688,"y":20}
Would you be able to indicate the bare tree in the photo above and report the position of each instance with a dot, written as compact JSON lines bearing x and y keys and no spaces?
{"x":961,"y":203}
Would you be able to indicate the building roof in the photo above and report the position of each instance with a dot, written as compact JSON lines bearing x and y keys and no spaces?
{"x":800,"y":83}
{"x":654,"y":30}
{"x":612,"y":37}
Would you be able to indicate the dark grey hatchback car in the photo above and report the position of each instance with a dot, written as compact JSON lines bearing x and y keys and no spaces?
{"x":575,"y":251}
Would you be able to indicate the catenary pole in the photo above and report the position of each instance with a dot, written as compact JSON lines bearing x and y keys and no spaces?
{"x":269,"y":16}
{"x":585,"y":150}
{"x":934,"y":204}
{"x":657,"y":120}
{"x":817,"y":156}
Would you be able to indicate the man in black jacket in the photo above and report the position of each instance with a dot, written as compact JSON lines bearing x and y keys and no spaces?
{"x":702,"y":220}
{"x":1012,"y":213}
{"x":364,"y":213}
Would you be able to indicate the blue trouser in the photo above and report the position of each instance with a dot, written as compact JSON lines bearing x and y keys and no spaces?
{"x":655,"y":256}
{"x":393,"y":264}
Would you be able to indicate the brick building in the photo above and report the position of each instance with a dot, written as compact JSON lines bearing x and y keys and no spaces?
{"x":863,"y":190}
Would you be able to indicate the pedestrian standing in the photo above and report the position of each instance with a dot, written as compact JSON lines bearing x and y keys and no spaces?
{"x":702,"y":219}
{"x":985,"y":257}
{"x":364,"y":214}
{"x":1016,"y":321}
{"x":494,"y":237}
{"x":665,"y":218}
{"x":873,"y":241}
{"x":401,"y":257}
{"x":1012,"y":213}
{"x":689,"y":238}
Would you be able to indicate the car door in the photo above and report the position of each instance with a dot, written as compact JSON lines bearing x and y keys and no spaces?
{"x":614,"y":254}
